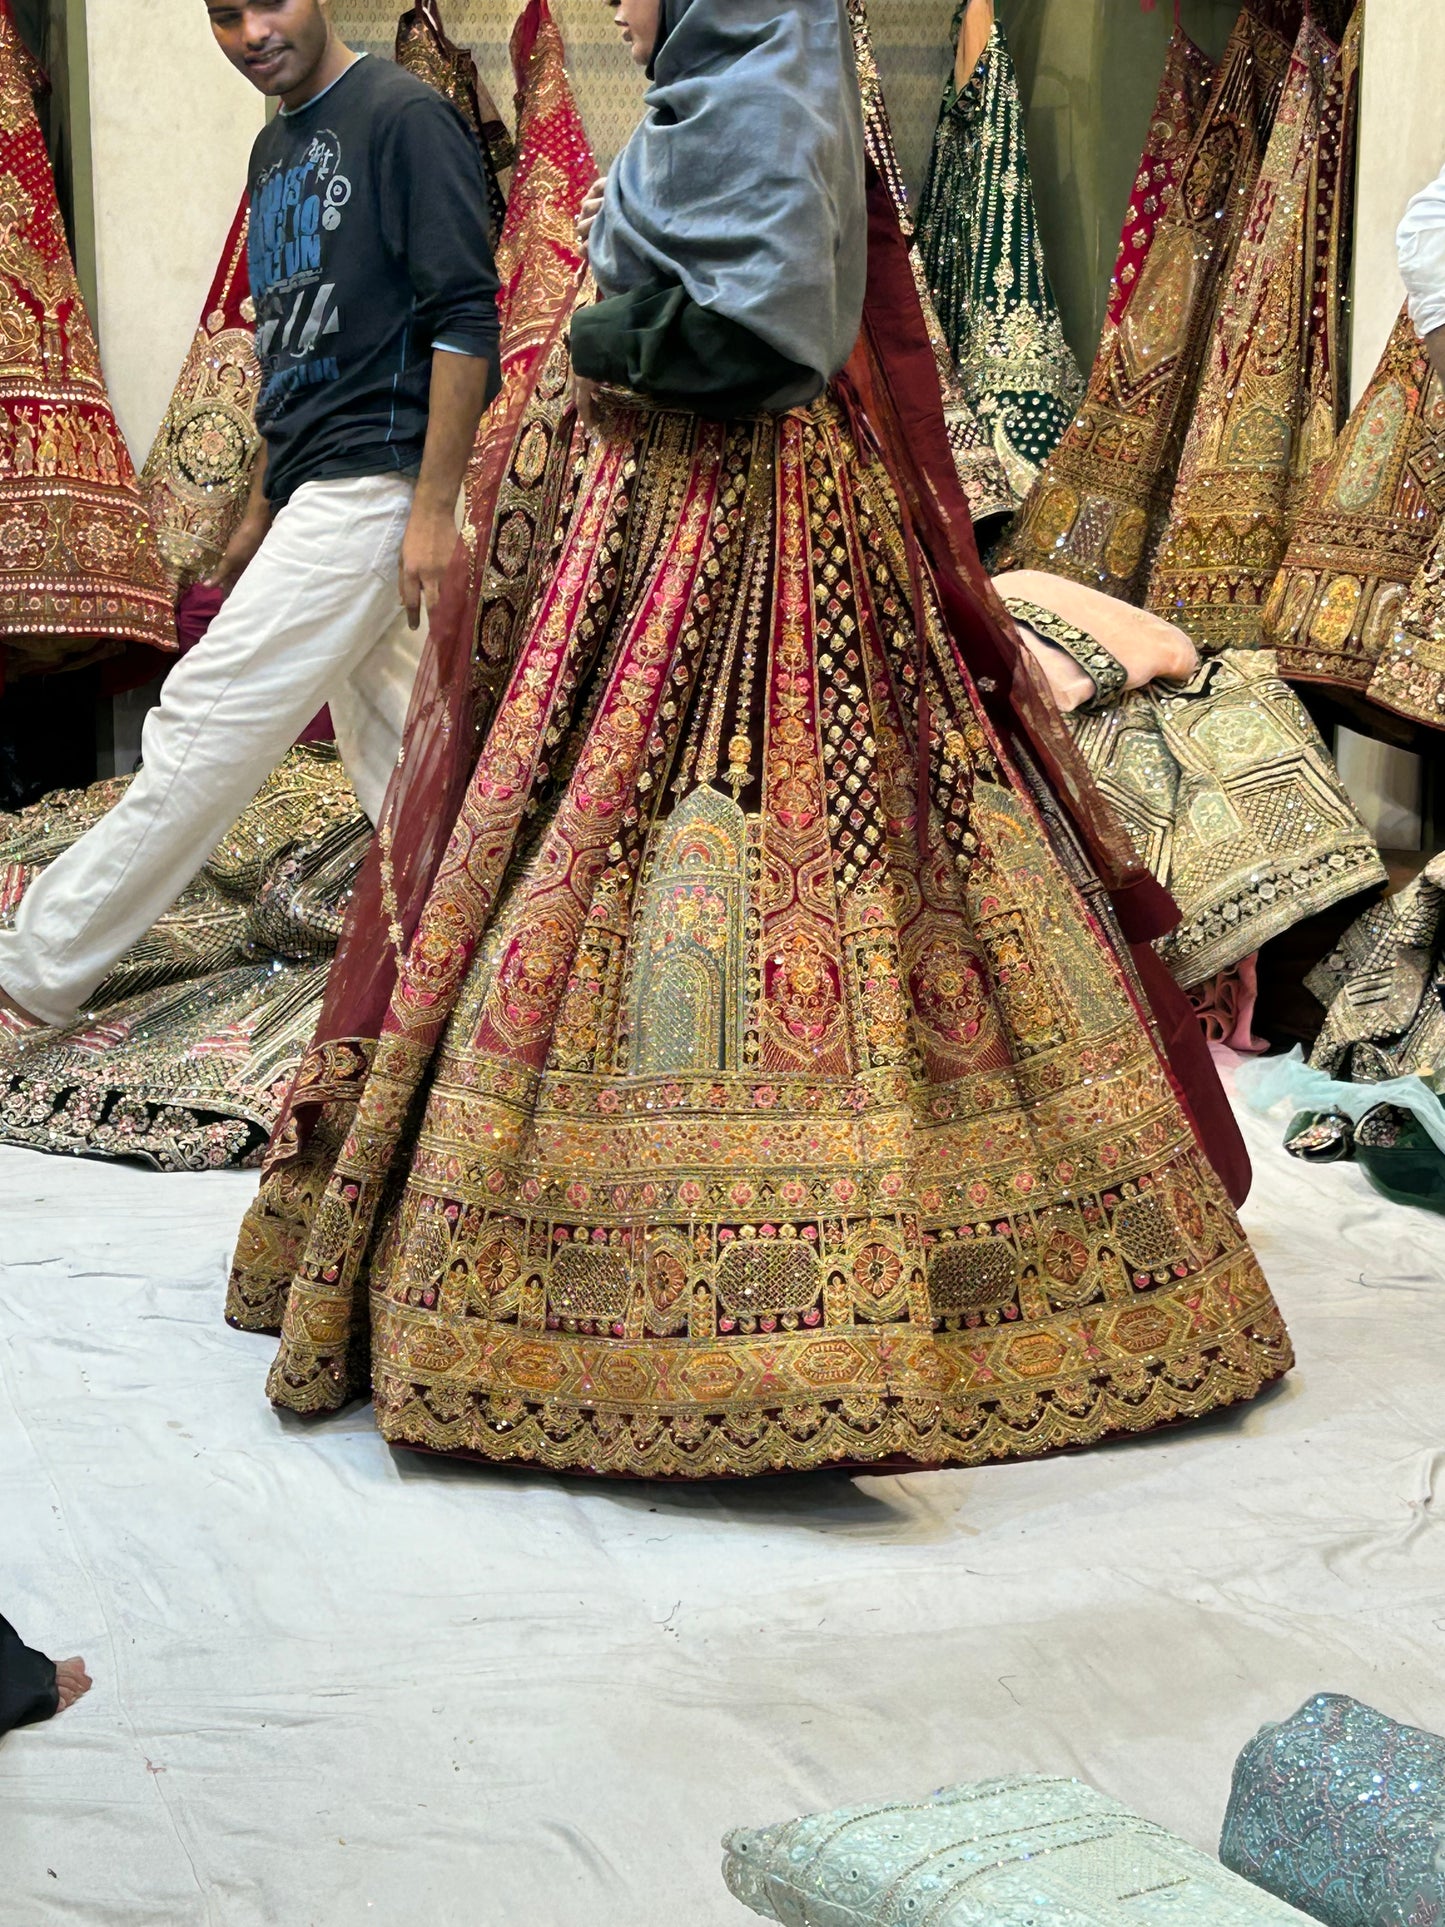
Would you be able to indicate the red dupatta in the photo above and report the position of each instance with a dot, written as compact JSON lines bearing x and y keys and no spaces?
{"x":895,"y":373}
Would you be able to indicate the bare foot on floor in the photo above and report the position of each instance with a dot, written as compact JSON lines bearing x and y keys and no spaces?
{"x":71,"y":1680}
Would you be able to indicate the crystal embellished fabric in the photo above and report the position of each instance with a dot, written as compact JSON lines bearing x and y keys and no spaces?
{"x":1272,"y":398}
{"x":980,"y":471}
{"x":1363,"y":533}
{"x":1026,"y":1852}
{"x":1383,"y":988}
{"x":198,"y":473}
{"x":192,"y":1040}
{"x":729,"y":1116}
{"x":80,"y":573}
{"x":979,"y":242}
{"x":1340,"y":1811}
{"x":1100,"y":504}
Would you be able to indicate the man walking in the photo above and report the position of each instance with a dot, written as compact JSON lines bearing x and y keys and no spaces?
{"x":376,"y":327}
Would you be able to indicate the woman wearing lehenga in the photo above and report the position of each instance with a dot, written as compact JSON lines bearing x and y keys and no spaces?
{"x":767,"y":1084}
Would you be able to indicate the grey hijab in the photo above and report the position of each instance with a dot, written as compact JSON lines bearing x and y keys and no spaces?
{"x":744,"y":182}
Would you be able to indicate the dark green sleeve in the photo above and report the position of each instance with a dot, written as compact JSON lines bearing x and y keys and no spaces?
{"x":660,"y":343}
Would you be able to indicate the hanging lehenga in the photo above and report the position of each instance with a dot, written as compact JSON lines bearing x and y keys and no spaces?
{"x":979,"y":241}
{"x":1273,"y":396}
{"x":425,"y":49}
{"x":1099,"y":506}
{"x":764,"y":1083}
{"x":1365,"y":530}
{"x":195,"y":1039}
{"x":985,"y":484}
{"x":80,"y":575}
{"x":198,"y":474}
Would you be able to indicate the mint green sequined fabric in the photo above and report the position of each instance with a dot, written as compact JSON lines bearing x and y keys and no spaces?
{"x":1341,"y":1810}
{"x":1005,"y":1853}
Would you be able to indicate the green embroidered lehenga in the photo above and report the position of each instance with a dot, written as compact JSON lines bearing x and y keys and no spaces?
{"x":979,"y":238}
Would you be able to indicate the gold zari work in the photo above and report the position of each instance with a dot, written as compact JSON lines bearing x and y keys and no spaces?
{"x":1382,"y":987}
{"x":726,"y":1121}
{"x":1365,"y":531}
{"x":1410,"y":676}
{"x":197,"y":476}
{"x":1232,"y":800}
{"x":1100,"y":503}
{"x":192,"y":1040}
{"x":80,"y":575}
{"x":1272,"y":398}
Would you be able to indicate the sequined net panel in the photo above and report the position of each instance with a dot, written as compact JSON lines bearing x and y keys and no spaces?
{"x":1340,"y":1810}
{"x":1232,"y":800}
{"x":1025,"y":1852}
{"x":193,"y":1038}
{"x":717,"y":1129}
{"x":985,"y":485}
{"x":1272,"y":398}
{"x":198,"y":474}
{"x":80,"y":573}
{"x":979,"y":241}
{"x":1099,"y":506}
{"x":1365,"y":530}
{"x":1383,"y":988}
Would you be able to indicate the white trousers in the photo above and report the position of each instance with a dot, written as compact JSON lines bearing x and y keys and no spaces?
{"x":315,"y":619}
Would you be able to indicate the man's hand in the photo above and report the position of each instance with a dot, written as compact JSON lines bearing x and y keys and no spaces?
{"x":583,"y":397}
{"x":427,"y":548}
{"x":241,"y":549}
{"x":1435,"y":348}
{"x":591,"y":208}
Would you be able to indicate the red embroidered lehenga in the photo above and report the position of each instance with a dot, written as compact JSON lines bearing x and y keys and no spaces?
{"x":80,"y":576}
{"x":758,"y":1081}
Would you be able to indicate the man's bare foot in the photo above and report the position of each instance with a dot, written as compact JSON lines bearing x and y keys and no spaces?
{"x":71,"y":1680}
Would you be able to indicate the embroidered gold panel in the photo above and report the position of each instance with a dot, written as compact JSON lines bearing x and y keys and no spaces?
{"x":198,"y":474}
{"x":730,"y":1118}
{"x":1272,"y":398}
{"x":1365,"y":530}
{"x":1232,"y":799}
{"x":1100,"y":503}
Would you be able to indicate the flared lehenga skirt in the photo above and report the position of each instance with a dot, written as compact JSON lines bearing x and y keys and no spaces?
{"x":727,"y":1119}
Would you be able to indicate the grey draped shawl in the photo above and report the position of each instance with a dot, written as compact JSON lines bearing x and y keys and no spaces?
{"x":744,"y":183}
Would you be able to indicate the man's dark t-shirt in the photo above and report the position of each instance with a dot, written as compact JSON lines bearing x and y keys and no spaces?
{"x":368,"y":248}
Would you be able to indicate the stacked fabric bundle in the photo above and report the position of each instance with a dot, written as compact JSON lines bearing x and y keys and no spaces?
{"x":1337,"y":1814}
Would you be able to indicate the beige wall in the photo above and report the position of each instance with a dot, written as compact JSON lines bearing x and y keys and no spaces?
{"x":170,"y":129}
{"x":1402,"y":146}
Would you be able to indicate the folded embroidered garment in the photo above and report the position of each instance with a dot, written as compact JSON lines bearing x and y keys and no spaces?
{"x":1341,"y":1811}
{"x":1025,"y":1852}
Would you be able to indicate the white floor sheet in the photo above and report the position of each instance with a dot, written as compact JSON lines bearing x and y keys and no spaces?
{"x":339,"y":1685}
